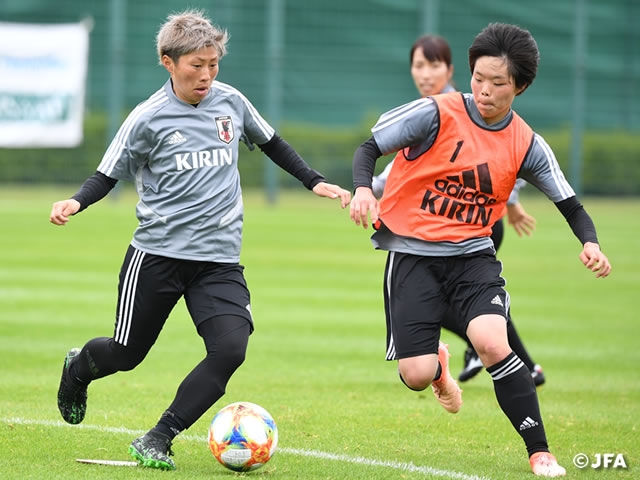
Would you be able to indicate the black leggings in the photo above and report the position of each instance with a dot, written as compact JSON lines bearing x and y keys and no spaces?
{"x":225,"y":337}
{"x":226,"y":340}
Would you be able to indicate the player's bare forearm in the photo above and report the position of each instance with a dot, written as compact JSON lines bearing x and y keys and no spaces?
{"x":62,"y":210}
{"x":363,"y":206}
{"x":520,"y":220}
{"x":329,"y":190}
{"x":595,"y":260}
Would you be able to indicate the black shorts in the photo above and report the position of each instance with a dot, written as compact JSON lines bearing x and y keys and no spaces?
{"x":151,"y":285}
{"x":419,"y":290}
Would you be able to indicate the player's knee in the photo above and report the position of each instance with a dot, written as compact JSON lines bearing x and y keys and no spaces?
{"x":492,"y":352}
{"x":416,"y":379}
{"x":232,"y":354}
{"x":218,"y":367}
{"x":226,"y":340}
{"x":127,"y":358}
{"x":417,"y":373}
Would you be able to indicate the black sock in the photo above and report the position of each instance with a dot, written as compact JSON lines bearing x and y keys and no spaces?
{"x":518,"y":399}
{"x":518,"y":347}
{"x":72,"y":372}
{"x":438,"y":372}
{"x":168,"y":425}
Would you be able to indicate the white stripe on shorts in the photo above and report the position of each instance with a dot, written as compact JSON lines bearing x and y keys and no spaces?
{"x":391,"y":347}
{"x":125,"y":312}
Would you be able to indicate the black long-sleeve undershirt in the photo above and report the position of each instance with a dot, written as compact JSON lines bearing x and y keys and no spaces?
{"x":290,"y":161}
{"x":364,"y":163}
{"x":94,"y":188}
{"x":578,"y":219}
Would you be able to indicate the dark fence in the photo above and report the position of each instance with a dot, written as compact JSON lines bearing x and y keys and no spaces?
{"x":322,"y":72}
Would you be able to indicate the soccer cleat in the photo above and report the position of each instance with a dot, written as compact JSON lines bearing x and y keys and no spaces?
{"x":72,"y":398}
{"x":472,"y":365}
{"x":445,"y":388}
{"x":537,"y":375}
{"x":153,"y":450}
{"x":544,"y":464}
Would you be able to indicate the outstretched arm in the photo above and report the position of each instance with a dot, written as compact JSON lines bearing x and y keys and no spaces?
{"x":285,"y":156}
{"x":595,"y":260}
{"x":541,"y":169}
{"x":364,"y":204}
{"x":62,"y":210}
{"x":328,"y":190}
{"x":583,"y":228}
{"x":93,"y":189}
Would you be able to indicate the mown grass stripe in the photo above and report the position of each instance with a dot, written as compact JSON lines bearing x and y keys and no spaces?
{"x":407,"y":467}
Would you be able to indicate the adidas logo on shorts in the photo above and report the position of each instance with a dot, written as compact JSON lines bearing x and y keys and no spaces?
{"x":496,"y":301}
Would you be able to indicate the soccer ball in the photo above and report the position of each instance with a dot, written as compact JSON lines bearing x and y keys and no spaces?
{"x":243,"y":436}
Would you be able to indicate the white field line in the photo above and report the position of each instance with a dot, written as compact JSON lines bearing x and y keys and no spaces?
{"x":403,"y":466}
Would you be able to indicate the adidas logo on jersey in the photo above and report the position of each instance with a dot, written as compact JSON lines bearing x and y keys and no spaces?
{"x":175,"y":138}
{"x":496,"y":301}
{"x":467,"y":197}
{"x":528,"y":423}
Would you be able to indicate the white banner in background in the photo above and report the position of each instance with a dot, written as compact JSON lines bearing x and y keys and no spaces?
{"x":43,"y":70}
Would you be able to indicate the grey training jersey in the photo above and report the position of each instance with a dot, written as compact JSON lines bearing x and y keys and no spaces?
{"x":416,"y":125}
{"x":184,"y":162}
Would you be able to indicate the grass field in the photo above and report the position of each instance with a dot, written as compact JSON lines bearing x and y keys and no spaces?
{"x":315,"y":360}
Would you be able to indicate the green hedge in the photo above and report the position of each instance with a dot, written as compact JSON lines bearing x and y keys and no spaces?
{"x":611,"y":160}
{"x":59,"y":165}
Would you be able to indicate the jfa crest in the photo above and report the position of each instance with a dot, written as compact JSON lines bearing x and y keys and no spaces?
{"x":225,"y":128}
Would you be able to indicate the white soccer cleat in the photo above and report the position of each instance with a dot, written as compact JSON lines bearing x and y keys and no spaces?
{"x":472,"y":365}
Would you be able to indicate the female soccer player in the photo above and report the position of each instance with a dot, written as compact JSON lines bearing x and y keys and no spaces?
{"x":432,"y":70}
{"x":462,"y":154}
{"x":181,"y":149}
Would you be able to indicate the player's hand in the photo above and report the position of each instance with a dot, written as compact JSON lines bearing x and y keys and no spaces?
{"x":61,"y":211}
{"x":595,"y":260}
{"x":329,"y":190}
{"x":520,"y":220}
{"x":364,"y":205}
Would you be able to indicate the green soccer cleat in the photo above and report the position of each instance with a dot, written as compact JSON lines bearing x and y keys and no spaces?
{"x":72,"y":397}
{"x":153,"y":450}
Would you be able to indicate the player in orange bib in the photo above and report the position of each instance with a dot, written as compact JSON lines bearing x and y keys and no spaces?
{"x":462,"y":156}
{"x":432,"y":69}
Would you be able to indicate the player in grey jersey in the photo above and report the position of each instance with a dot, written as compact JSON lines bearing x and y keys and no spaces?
{"x":180,"y":147}
{"x":462,"y":156}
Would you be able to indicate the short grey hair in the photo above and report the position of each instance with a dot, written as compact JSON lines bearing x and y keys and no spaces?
{"x":188,"y":31}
